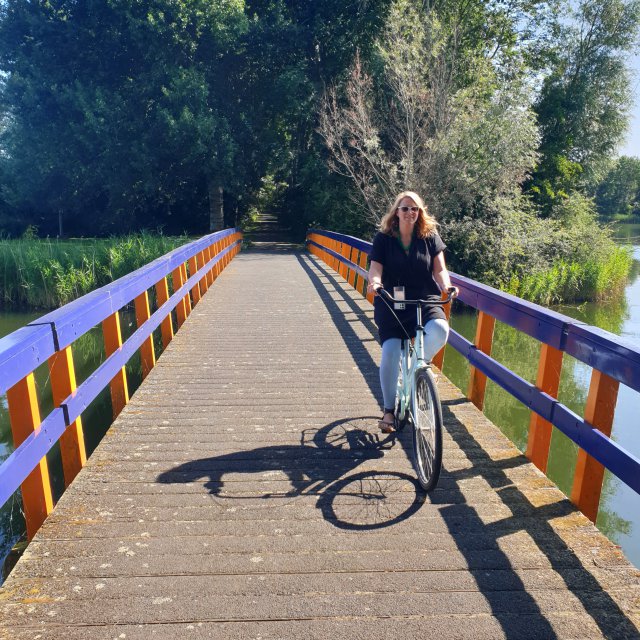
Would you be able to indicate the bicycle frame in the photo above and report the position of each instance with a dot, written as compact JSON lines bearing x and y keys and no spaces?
{"x":411,"y":360}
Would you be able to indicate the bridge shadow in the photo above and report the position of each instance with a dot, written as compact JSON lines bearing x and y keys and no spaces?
{"x":321,"y":466}
{"x":533,"y":520}
{"x":513,"y":606}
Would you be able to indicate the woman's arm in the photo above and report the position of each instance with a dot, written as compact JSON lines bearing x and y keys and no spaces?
{"x":441,"y":274}
{"x":375,"y":276}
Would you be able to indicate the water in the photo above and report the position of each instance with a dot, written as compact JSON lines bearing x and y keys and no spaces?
{"x":619,"y":514}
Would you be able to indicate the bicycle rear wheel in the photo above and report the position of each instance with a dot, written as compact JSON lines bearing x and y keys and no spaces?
{"x":427,"y":429}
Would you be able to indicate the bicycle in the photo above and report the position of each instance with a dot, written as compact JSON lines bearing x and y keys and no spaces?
{"x":417,"y":399}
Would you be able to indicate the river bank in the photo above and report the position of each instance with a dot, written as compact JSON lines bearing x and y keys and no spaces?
{"x":48,"y":273}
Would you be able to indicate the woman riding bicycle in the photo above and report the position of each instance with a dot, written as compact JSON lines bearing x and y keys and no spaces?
{"x":407,"y":252}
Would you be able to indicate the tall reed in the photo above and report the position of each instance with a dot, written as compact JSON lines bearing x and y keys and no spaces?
{"x":45,"y":274}
{"x":570,"y":281}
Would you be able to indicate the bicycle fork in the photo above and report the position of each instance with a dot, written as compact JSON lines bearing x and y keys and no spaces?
{"x":405,"y":386}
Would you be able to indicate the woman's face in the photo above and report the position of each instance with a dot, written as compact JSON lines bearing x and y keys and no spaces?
{"x":407,"y":211}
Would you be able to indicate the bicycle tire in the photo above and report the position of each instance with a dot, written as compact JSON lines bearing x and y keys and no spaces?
{"x":427,"y":429}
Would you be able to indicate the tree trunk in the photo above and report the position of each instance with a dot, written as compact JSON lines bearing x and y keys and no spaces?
{"x":216,"y":205}
{"x":60,"y":229}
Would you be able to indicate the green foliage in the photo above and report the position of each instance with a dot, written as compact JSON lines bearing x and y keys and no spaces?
{"x":46,"y":274}
{"x":118,"y":111}
{"x":582,"y":107}
{"x":430,"y":116}
{"x":568,"y":258}
{"x":618,"y":195}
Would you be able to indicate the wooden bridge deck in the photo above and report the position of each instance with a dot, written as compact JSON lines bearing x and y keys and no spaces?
{"x":244,"y":493}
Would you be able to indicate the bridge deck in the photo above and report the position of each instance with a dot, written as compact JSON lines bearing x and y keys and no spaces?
{"x":244,"y":493}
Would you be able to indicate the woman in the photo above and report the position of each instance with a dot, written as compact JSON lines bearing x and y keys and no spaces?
{"x":407,"y":252}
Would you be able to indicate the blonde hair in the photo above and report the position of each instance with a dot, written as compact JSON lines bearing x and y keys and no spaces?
{"x":426,"y":224}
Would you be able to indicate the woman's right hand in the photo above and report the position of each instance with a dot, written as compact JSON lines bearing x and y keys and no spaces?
{"x":373,"y":287}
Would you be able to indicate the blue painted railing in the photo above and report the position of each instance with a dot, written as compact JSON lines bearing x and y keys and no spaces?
{"x":605,"y":352}
{"x":24,"y":350}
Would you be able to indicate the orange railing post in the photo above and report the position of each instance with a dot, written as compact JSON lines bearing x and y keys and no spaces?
{"x":326,"y":243}
{"x":361,"y":285}
{"x":112,"y":342}
{"x":326,"y":258}
{"x":195,"y":290}
{"x":24,"y":415}
{"x":216,"y":267}
{"x":351,"y":256}
{"x":548,"y":380}
{"x":63,"y":384}
{"x":187,"y":298}
{"x":483,"y":342}
{"x":200,"y":261}
{"x":147,"y":350}
{"x":342,"y":267}
{"x":589,"y":474}
{"x":166,"y":327}
{"x":335,"y":263}
{"x":223,"y":262}
{"x":207,"y":258}
{"x":181,"y":307}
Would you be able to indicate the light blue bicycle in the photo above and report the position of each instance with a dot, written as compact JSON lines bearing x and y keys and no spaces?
{"x":417,"y":399}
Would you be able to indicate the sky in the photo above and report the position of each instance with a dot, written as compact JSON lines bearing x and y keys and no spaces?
{"x":631,"y":146}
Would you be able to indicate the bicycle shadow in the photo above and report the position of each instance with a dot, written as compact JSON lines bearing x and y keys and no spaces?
{"x":321,"y":465}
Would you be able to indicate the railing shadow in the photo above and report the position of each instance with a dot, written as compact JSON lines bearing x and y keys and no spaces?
{"x":321,"y":466}
{"x":608,"y":616}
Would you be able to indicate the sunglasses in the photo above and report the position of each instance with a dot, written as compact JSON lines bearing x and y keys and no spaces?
{"x":406,"y":209}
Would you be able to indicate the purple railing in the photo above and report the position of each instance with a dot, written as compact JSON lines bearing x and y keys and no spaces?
{"x":48,"y":339}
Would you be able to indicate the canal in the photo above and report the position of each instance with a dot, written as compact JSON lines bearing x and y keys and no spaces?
{"x":619,"y":515}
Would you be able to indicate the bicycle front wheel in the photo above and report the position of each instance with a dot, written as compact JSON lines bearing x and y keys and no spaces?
{"x":427,"y":429}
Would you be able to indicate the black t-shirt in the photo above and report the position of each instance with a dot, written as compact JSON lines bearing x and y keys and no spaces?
{"x":413,"y":271}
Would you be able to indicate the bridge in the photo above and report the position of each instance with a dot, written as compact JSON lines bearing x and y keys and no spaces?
{"x":243,"y":492}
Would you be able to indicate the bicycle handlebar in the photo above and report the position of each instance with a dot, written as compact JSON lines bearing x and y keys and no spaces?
{"x":385,"y":294}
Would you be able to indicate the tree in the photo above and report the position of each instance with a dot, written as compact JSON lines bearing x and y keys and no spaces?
{"x":619,"y":193}
{"x":459,"y":132}
{"x":582,"y":108}
{"x":291,"y":52}
{"x":113,"y":106}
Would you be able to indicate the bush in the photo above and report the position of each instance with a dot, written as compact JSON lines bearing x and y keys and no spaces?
{"x":569,"y":257}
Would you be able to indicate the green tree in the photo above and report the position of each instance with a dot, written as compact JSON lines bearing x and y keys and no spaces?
{"x":114,"y":116}
{"x":453,"y":127}
{"x":292,"y":50}
{"x":619,"y":193}
{"x":582,"y":107}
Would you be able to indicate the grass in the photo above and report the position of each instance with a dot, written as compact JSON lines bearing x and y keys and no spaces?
{"x":565,"y":281}
{"x":45,"y":274}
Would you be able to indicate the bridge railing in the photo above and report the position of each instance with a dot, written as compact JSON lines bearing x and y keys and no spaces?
{"x":191,"y":268}
{"x":612,"y":359}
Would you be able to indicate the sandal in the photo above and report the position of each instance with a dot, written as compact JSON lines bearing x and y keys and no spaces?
{"x":385,"y":426}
